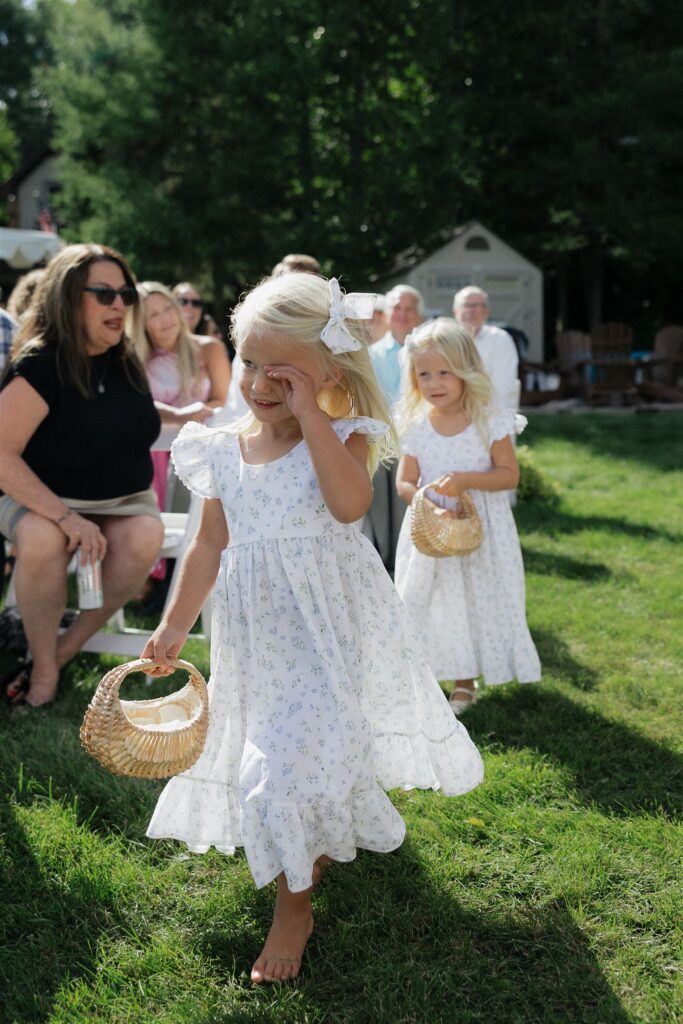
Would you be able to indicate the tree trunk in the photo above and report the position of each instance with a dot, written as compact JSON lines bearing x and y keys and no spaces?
{"x":591,"y":266}
{"x":562,"y":312}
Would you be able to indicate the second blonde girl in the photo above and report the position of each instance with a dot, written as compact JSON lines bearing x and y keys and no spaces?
{"x":470,"y":610}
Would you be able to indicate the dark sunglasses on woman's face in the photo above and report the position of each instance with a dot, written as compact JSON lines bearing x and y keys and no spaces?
{"x":106,"y":296}
{"x":197,"y":303}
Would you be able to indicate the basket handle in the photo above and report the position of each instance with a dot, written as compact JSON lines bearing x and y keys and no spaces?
{"x":115,"y":677}
{"x":466,"y":508}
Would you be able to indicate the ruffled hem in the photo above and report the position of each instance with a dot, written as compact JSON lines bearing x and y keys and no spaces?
{"x":451,"y":765}
{"x":199,"y":813}
{"x":276,"y":836}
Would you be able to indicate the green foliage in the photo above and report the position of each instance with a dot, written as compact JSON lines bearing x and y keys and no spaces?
{"x":8,"y":146}
{"x":23,"y":50}
{"x":209,"y":139}
{"x":534,"y":482}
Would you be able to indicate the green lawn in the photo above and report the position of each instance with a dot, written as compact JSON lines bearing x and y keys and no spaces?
{"x":552,"y":893}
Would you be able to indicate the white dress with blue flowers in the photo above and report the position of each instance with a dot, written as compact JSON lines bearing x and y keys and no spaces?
{"x":470,"y":610}
{"x":319,"y":699}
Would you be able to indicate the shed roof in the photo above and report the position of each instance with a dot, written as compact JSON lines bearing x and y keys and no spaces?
{"x":414,"y":255}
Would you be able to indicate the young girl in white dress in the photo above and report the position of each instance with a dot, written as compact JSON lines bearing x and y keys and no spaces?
{"x":470,"y":609}
{"x":318,"y":698}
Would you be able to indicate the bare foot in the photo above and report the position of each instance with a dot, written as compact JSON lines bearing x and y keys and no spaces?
{"x":280,"y":958}
{"x":319,"y":868}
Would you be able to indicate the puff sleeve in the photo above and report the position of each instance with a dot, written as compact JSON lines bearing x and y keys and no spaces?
{"x":192,"y":456}
{"x":360,"y":425}
{"x":504,"y":424}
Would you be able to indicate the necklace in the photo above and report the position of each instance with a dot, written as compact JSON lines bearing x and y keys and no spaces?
{"x":100,"y":380}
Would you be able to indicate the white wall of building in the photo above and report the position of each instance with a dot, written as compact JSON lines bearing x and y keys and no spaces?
{"x":477,"y":256}
{"x":34,"y":192}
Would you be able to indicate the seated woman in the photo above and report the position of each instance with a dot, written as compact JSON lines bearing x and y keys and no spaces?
{"x":188,"y":374}
{"x":76,"y":424}
{"x":195,"y":314}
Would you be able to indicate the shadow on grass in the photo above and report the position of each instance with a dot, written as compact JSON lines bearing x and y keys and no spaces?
{"x":391,"y":945}
{"x":558,"y":661}
{"x":45,"y":746}
{"x":655,"y":440}
{"x":543,"y":563}
{"x":535,"y":517}
{"x":614,"y":766}
{"x":50,"y":930}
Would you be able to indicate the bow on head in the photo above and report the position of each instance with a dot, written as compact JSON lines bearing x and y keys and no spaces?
{"x":356,"y":306}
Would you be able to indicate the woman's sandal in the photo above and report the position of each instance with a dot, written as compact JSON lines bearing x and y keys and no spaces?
{"x":466,"y":700}
{"x":16,"y":683}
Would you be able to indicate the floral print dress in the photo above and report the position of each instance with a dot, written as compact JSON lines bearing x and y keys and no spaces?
{"x":319,"y":699}
{"x":469,"y":610}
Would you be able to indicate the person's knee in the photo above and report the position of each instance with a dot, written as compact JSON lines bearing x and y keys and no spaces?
{"x":140,"y":537}
{"x":39,"y":541}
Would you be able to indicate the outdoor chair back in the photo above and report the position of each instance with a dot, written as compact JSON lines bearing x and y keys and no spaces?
{"x":660,"y":376}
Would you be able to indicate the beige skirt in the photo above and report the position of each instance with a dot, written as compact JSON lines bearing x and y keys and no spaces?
{"x":142,"y":503}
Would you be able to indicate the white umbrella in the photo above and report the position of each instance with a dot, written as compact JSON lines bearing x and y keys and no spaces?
{"x":23,"y":249}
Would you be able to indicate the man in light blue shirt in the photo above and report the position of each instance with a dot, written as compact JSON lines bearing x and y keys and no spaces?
{"x":404,"y":308}
{"x":7,"y":331}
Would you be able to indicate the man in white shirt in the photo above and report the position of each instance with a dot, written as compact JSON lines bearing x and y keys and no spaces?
{"x":496,"y":348}
{"x":404,"y":310}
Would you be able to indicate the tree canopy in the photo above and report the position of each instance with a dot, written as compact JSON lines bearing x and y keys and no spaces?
{"x":210,"y":139}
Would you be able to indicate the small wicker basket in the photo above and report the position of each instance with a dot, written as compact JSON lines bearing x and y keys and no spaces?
{"x":147,"y":739}
{"x":439,"y":534}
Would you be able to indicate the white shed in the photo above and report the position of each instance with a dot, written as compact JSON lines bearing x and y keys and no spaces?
{"x":474,"y":255}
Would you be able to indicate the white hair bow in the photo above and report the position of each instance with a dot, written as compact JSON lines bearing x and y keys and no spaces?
{"x":356,"y":306}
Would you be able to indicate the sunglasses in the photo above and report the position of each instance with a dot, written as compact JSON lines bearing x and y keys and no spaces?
{"x":106,"y":296}
{"x":197,"y":303}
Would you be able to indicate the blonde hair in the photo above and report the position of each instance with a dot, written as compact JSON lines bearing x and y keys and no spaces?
{"x":186,"y":348}
{"x":296,"y":305}
{"x":24,"y":292}
{"x":455,"y":344}
{"x":54,"y":318}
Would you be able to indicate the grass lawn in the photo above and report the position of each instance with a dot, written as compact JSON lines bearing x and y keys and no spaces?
{"x":552,"y":893}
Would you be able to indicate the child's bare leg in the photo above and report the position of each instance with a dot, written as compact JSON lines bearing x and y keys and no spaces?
{"x":280,"y":958}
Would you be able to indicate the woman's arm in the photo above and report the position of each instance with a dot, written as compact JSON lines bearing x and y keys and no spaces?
{"x":197,"y":576}
{"x":407,"y":478}
{"x":22,"y":410}
{"x":504,"y":476}
{"x":217,"y":365}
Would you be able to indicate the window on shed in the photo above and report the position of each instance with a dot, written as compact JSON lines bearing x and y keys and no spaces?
{"x":477,"y":243}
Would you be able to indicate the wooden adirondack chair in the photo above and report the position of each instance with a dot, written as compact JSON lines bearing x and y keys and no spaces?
{"x":661,"y":375}
{"x":573,"y":349}
{"x":609,"y":374}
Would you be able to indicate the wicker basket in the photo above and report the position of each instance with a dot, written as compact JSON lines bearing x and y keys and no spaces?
{"x":438,"y":534}
{"x":148,"y":739}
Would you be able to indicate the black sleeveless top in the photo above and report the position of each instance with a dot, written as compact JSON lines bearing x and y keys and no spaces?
{"x":90,"y":448}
